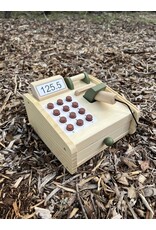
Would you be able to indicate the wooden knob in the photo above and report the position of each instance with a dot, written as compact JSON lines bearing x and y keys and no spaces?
{"x":108,"y":141}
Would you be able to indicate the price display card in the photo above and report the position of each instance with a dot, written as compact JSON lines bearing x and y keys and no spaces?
{"x":48,"y":87}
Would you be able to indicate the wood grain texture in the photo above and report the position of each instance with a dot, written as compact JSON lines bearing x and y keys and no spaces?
{"x":51,"y":134}
{"x":111,"y":120}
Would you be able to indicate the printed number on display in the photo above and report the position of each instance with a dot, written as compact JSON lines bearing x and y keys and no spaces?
{"x":50,"y":87}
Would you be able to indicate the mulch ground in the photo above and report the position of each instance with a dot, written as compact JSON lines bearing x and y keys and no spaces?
{"x":119,"y":182}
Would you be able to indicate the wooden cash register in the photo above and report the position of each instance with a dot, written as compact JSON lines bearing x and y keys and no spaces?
{"x":78,"y":117}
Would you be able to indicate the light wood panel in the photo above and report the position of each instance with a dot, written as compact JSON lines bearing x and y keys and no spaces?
{"x":113,"y":120}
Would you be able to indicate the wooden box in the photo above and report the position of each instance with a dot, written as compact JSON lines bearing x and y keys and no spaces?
{"x":75,"y":147}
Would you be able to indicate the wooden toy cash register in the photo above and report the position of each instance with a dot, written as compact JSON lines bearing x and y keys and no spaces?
{"x":79,"y":116}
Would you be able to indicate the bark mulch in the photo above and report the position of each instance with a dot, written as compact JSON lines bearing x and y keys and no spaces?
{"x":119,"y":182}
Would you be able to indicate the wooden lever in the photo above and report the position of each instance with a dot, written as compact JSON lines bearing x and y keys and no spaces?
{"x":83,"y":88}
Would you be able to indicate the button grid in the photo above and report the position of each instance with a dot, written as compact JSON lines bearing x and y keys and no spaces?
{"x":70,"y":118}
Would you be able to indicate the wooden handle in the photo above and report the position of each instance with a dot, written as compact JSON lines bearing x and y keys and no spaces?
{"x":106,"y":97}
{"x":78,"y":77}
{"x":83,"y":88}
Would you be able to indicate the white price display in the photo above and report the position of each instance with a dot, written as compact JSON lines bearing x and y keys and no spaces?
{"x":50,"y":87}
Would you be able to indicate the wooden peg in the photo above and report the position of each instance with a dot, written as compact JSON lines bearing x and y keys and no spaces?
{"x":84,"y":88}
{"x":80,"y":77}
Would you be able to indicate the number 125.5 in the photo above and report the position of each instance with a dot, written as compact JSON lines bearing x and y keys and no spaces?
{"x":50,"y":87}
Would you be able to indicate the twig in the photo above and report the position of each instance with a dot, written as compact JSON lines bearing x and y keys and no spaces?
{"x":146,"y":203}
{"x":65,"y":188}
{"x":57,"y":189}
{"x":130,"y":51}
{"x":79,"y":199}
{"x":5,"y":101}
{"x":93,"y":203}
{"x":15,"y":81}
{"x":36,"y":205}
{"x":2,"y":145}
{"x":132,"y":211}
{"x":45,"y":16}
{"x":144,"y":73}
{"x":97,"y":166}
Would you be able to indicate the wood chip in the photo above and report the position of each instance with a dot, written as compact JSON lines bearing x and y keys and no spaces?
{"x":149,"y":192}
{"x":122,"y":179}
{"x":42,"y":213}
{"x":144,"y":165}
{"x":145,"y":202}
{"x":132,"y":210}
{"x":5,"y":101}
{"x":84,"y":181}
{"x":73,"y":213}
{"x":45,"y":180}
{"x":132,"y":192}
{"x":128,"y":162}
{"x":97,"y":166}
{"x":65,"y":188}
{"x":18,"y":181}
{"x":141,"y":178}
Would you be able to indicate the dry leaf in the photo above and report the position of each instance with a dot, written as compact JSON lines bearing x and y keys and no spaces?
{"x":128,"y":162}
{"x":144,"y":165}
{"x":122,"y":178}
{"x":45,"y":180}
